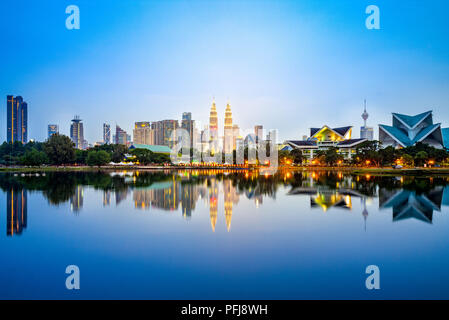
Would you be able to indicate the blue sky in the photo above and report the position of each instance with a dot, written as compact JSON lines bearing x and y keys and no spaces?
{"x":288,"y":65}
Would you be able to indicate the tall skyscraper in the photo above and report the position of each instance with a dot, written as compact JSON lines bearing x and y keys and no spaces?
{"x":163,"y":131}
{"x":77,"y":132}
{"x":52,"y":129}
{"x":213,"y":120}
{"x":106,"y":133}
{"x":366,"y":132}
{"x":258,"y":131}
{"x":228,"y":143}
{"x":189,"y":125}
{"x":121,"y":137}
{"x":213,"y":127}
{"x":143,"y":134}
{"x":16,"y":119}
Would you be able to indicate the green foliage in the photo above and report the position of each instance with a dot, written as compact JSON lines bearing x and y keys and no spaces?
{"x":144,"y":156}
{"x":297,"y":156}
{"x":407,"y":160}
{"x":389,"y":155}
{"x":118,"y":152}
{"x":98,"y":158}
{"x":368,"y":151}
{"x":34,"y":158}
{"x":81,"y":156}
{"x":59,"y":149}
{"x":421,"y":157}
{"x":332,"y":156}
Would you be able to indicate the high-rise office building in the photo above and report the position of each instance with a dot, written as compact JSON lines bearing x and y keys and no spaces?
{"x":52,"y":129}
{"x":16,"y":119}
{"x":121,"y":137}
{"x":163,"y":132}
{"x":106,"y":133}
{"x":142,"y":133}
{"x":189,"y":125}
{"x":258,"y":131}
{"x":77,"y":132}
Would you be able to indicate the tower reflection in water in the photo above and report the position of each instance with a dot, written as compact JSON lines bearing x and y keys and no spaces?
{"x":16,"y":212}
{"x":169,"y":195}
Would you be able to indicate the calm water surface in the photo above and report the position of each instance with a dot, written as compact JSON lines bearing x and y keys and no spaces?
{"x":223,"y":235}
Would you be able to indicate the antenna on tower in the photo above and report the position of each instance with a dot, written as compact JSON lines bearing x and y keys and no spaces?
{"x":365,"y":114}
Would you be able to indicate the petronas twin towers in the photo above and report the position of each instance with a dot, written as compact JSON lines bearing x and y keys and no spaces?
{"x":231,"y":132}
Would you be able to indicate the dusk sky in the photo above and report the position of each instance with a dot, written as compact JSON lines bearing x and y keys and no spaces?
{"x":288,"y":65}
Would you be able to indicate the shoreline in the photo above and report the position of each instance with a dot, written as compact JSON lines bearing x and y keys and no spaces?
{"x":352,"y":170}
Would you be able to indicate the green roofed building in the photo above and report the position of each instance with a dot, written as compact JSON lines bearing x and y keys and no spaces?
{"x":152,"y":148}
{"x":407,"y":130}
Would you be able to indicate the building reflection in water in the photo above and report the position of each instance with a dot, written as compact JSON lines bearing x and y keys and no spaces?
{"x":106,"y":198}
{"x":331,"y":190}
{"x":408,"y":204}
{"x":76,"y":200}
{"x":16,"y":211}
{"x":181,"y":191}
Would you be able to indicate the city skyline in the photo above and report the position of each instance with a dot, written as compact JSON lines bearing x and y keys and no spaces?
{"x":272,"y":60}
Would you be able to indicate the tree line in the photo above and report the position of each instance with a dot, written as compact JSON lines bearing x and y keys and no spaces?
{"x":60,"y":150}
{"x":371,"y":153}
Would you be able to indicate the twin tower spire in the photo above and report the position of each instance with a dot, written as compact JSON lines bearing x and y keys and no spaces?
{"x":213,"y":118}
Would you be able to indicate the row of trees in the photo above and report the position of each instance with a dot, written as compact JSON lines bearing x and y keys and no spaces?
{"x":371,"y":153}
{"x":60,"y":150}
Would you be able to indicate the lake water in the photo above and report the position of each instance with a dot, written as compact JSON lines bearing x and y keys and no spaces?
{"x":223,"y":235}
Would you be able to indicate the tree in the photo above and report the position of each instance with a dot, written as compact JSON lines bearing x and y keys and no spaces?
{"x":368,"y":152}
{"x":144,"y":156}
{"x":34,"y":158}
{"x":331,"y":156}
{"x":407,"y":160}
{"x":389,"y":155}
{"x":118,"y":153}
{"x":81,"y":156}
{"x":98,"y":158}
{"x":297,"y":155}
{"x":59,"y":149}
{"x":420,"y":158}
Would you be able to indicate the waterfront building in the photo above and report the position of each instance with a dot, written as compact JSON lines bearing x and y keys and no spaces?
{"x":16,"y":119}
{"x":106,"y":133}
{"x":325,"y":137}
{"x":52,"y":129}
{"x":121,"y":137}
{"x":365,"y":131}
{"x":77,"y":132}
{"x":142,"y":133}
{"x":406,"y":131}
